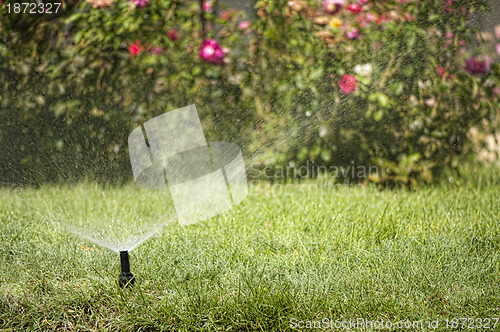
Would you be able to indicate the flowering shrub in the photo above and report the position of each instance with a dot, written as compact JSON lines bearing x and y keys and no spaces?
{"x":82,"y":81}
{"x":396,"y":84}
{"x":393,"y":84}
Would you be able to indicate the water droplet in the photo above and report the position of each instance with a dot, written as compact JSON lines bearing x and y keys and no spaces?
{"x":323,"y":130}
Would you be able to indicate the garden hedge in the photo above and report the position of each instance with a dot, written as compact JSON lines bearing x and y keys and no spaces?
{"x":392,"y":84}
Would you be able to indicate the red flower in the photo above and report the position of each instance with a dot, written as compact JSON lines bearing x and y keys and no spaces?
{"x":347,"y":84}
{"x":172,"y":35}
{"x":135,"y":48}
{"x":354,"y":8}
{"x":441,"y":71}
{"x":228,"y":14}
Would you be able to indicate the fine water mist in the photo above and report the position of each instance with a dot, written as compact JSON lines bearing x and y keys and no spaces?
{"x":178,"y":176}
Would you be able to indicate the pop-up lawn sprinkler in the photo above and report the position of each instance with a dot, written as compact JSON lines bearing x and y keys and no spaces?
{"x":126,"y":278}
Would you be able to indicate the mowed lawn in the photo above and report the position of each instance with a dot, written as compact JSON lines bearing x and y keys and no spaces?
{"x":279,"y":260}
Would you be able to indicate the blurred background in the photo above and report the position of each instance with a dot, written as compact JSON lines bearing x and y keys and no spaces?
{"x":407,"y":87}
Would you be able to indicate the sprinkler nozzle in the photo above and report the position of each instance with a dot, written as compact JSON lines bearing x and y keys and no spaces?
{"x":126,"y":278}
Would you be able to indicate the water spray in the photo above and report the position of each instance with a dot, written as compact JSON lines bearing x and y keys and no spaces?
{"x":126,"y":278}
{"x":187,"y":180}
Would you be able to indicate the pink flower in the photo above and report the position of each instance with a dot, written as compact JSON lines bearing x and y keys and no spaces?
{"x":496,"y":90}
{"x":448,"y":5}
{"x":474,"y":67}
{"x":135,"y":48}
{"x":449,"y":35}
{"x":354,"y":8}
{"x":207,"y":6}
{"x":497,"y":31}
{"x":498,"y":49}
{"x":488,"y":60}
{"x":382,"y":19}
{"x":430,"y":102}
{"x":332,"y":6}
{"x":352,"y":33}
{"x":370,"y":17}
{"x":347,"y":84}
{"x":362,"y":2}
{"x":172,"y":35}
{"x":139,"y":3}
{"x":156,"y":50}
{"x":409,"y":17}
{"x":228,"y":14}
{"x":243,"y":25}
{"x":211,"y":51}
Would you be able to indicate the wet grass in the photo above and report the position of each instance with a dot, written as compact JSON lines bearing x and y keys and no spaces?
{"x":306,"y":253}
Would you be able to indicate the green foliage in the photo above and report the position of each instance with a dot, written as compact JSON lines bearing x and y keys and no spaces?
{"x":72,"y":91}
{"x":404,"y":117}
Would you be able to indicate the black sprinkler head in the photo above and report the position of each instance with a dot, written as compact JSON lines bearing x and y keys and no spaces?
{"x":126,"y":278}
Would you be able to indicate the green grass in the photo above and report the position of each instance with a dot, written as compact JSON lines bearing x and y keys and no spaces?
{"x":307,"y":254}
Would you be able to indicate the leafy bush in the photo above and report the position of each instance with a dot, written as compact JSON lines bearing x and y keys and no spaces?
{"x":78,"y":85}
{"x":387,"y":86}
{"x":414,"y":101}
